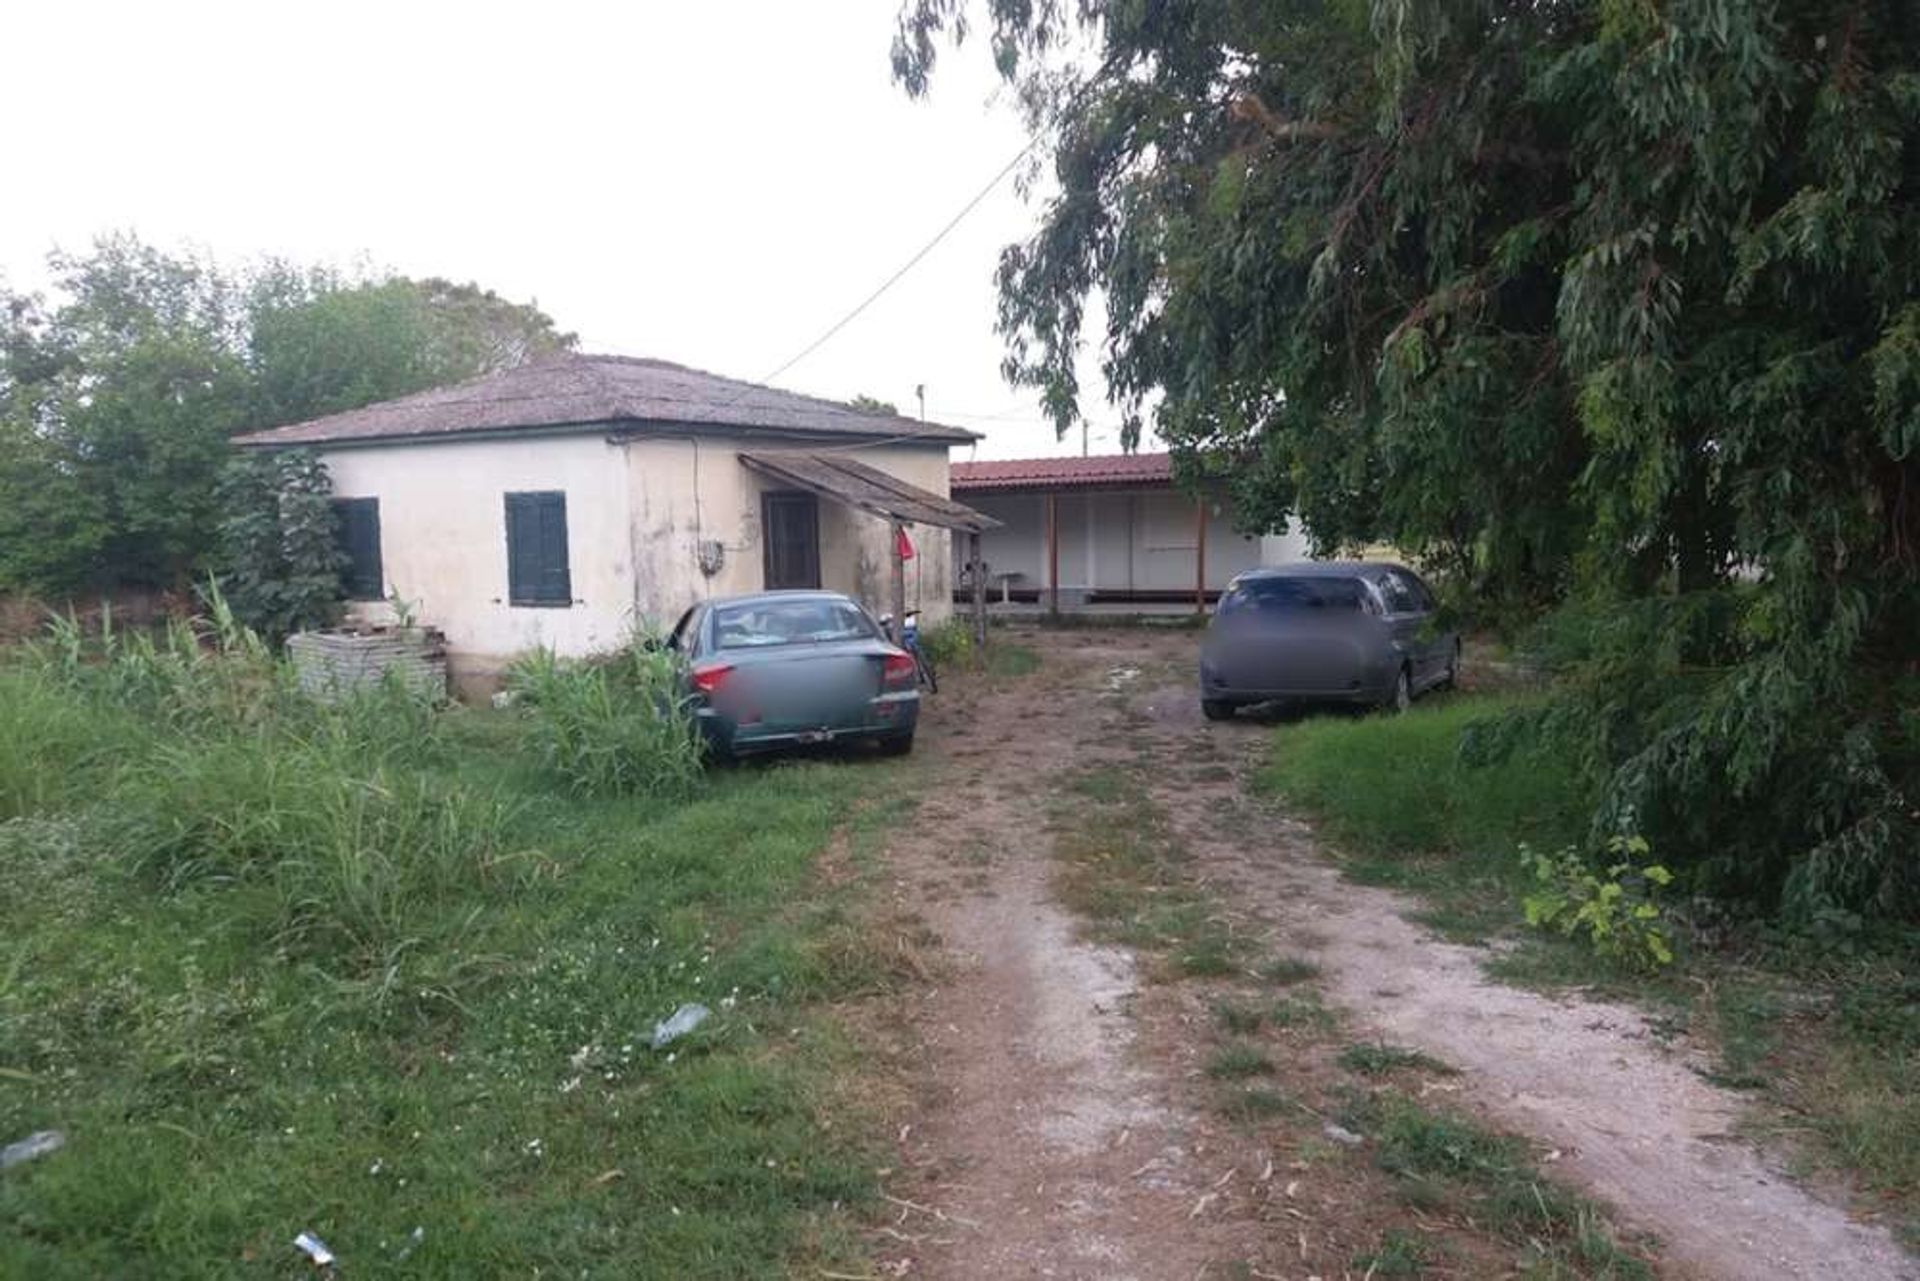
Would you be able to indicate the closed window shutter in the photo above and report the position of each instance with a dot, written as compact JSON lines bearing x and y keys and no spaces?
{"x":358,"y":530}
{"x":537,"y":569}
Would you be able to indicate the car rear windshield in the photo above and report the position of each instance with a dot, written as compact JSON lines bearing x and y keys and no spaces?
{"x":790,"y":622}
{"x":1295,"y":596}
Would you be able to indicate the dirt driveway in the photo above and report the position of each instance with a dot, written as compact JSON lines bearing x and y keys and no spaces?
{"x":1073,"y":1112}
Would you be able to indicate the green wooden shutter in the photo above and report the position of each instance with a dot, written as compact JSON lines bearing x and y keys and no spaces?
{"x":362,"y":577}
{"x":537,"y":567}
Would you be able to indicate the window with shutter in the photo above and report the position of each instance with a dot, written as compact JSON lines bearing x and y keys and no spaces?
{"x":357,"y":533}
{"x":537,"y":572}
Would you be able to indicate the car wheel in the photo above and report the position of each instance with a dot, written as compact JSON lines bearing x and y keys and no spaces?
{"x":896,"y":745}
{"x":1402,"y":696}
{"x":1216,"y":709}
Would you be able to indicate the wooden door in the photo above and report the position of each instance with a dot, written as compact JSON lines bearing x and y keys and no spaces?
{"x":790,"y":521}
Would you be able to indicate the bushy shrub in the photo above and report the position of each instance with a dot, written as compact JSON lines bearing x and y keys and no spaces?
{"x":620,"y":725}
{"x":950,"y":645}
{"x":1617,"y":909}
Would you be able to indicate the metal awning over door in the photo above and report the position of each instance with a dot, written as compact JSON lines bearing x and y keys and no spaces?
{"x":869,"y":490}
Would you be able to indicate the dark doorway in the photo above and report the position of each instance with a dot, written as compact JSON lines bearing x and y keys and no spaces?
{"x":791,"y":522}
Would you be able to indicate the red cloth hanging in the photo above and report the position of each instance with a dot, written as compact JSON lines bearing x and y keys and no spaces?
{"x":902,"y":545}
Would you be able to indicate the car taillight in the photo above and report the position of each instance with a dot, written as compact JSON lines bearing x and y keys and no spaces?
{"x":707,"y":680}
{"x":898,"y":669}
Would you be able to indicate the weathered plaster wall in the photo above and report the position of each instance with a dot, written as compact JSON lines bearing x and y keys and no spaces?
{"x":687,"y":490}
{"x":637,"y":513}
{"x":443,"y":539}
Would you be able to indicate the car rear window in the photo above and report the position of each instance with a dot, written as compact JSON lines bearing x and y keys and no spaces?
{"x":790,"y":622}
{"x":1295,"y":596}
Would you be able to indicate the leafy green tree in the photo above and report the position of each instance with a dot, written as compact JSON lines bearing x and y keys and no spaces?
{"x":280,"y":559}
{"x":119,"y":403}
{"x":118,"y":399}
{"x":320,"y":342}
{"x":1614,"y":303}
{"x":872,"y":405}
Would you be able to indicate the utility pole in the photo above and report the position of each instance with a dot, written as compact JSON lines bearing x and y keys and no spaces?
{"x":920,"y":390}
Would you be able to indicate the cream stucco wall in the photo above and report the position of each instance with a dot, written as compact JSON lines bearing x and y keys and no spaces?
{"x":637,"y":513}
{"x":443,"y":538}
{"x":690,"y":490}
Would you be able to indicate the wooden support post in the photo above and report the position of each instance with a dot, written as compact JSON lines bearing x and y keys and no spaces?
{"x":899,"y":532}
{"x":1053,"y":555}
{"x":979,"y":580}
{"x":1200,"y":557}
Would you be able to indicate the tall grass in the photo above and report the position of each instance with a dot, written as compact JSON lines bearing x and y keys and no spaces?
{"x":1396,"y":785}
{"x":1398,"y":799}
{"x":191,"y":758}
{"x":616,"y":726}
{"x":359,"y":967}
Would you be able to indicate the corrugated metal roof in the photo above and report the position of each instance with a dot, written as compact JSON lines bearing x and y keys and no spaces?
{"x":869,"y":489}
{"x":1064,"y":473}
{"x":592,"y":392}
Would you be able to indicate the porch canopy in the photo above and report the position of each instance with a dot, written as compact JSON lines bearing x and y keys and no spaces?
{"x":869,"y":490}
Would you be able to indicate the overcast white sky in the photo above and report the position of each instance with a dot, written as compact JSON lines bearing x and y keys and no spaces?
{"x":711,"y":183}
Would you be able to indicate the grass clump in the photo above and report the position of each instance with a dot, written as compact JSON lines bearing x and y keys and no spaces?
{"x":1238,"y":1059}
{"x":1399,"y":1254}
{"x":1446,"y":1164}
{"x":1254,"y":1104}
{"x":614,"y":726}
{"x":1374,"y":1058}
{"x":1288,"y":969}
{"x":1238,"y":1017}
{"x":951,"y":647}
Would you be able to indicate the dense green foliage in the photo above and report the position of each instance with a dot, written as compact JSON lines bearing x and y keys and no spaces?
{"x":279,"y":556}
{"x":1614,"y":302}
{"x":119,"y":393}
{"x":276,"y":965}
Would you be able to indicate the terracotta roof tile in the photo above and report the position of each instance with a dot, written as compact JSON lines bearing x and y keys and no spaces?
{"x":592,"y":392}
{"x":1064,"y":473}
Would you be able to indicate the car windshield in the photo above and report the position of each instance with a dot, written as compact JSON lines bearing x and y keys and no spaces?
{"x":754,"y":624}
{"x":1295,"y":596}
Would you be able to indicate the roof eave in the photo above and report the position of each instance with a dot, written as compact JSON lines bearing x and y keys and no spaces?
{"x":615,"y":428}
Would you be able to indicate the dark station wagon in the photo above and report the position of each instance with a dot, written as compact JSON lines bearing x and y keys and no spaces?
{"x":1360,"y":632}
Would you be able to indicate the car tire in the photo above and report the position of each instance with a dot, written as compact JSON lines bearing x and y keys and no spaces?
{"x":896,"y":745}
{"x":1216,"y":709}
{"x":1401,"y":697}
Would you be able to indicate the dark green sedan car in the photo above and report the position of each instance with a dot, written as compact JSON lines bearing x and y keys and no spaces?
{"x":787,"y":669}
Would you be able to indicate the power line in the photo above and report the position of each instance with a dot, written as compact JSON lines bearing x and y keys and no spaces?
{"x":1033,"y":141}
{"x":908,"y":265}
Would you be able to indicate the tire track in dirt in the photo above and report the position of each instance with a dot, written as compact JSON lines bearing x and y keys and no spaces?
{"x":1634,"y":1123}
{"x":1043,"y":1143}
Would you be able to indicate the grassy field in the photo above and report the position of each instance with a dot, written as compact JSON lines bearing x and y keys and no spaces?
{"x":1829,"y":1037}
{"x":367,"y":971}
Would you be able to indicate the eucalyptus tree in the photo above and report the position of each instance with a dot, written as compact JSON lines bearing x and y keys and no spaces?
{"x":1612,"y":303}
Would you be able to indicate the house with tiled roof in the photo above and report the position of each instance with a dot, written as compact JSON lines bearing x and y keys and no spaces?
{"x":565,"y":502}
{"x":1108,"y":528}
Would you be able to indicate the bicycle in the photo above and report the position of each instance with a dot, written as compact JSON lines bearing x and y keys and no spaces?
{"x":910,"y":641}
